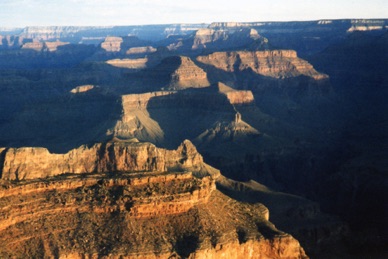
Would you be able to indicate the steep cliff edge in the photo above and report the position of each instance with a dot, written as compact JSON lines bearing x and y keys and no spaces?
{"x":127,"y":200}
{"x":32,"y":163}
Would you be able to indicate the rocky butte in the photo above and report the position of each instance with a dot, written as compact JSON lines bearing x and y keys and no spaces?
{"x":270,"y":63}
{"x":126,"y":199}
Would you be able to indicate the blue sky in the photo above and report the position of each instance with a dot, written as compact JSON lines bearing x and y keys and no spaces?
{"x":20,"y":13}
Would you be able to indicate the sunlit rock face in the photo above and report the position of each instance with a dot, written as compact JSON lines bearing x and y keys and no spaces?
{"x":112,"y":44}
{"x":128,"y":200}
{"x":32,"y":163}
{"x":271,"y":63}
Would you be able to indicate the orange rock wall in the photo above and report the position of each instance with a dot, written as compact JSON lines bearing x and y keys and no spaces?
{"x":31,"y":163}
{"x":270,"y":63}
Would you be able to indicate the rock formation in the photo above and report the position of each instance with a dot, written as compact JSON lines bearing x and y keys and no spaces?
{"x":136,"y":64}
{"x":31,"y":163}
{"x":37,"y":46}
{"x":181,"y":73}
{"x":40,"y":45}
{"x":271,"y":63}
{"x":53,"y":46}
{"x":208,"y":39}
{"x":81,"y":89}
{"x":127,"y":200}
{"x":205,"y":36}
{"x":141,"y":50}
{"x":227,"y":131}
{"x":236,"y":97}
{"x":112,"y":44}
{"x":136,"y":120}
{"x":306,"y":37}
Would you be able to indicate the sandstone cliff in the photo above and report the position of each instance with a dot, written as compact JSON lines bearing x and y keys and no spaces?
{"x":31,"y":163}
{"x":271,"y":63}
{"x":182,"y":73}
{"x":141,"y":50}
{"x":40,"y":45}
{"x":136,"y":64}
{"x":236,"y":97}
{"x":37,"y":46}
{"x":127,"y":200}
{"x":82,"y":89}
{"x":112,"y":44}
{"x":53,"y":46}
{"x":206,"y":36}
{"x":136,"y":122}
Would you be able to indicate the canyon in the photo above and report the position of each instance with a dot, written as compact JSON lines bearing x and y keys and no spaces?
{"x":162,"y":202}
{"x":234,"y":140}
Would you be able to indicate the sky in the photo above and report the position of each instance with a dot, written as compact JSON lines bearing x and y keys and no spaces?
{"x":21,"y":13}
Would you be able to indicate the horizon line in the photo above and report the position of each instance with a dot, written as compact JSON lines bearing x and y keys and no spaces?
{"x":192,"y":23}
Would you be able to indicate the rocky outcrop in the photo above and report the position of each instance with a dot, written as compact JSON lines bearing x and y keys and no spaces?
{"x":185,"y":73}
{"x":231,"y":134}
{"x":141,"y":50}
{"x":236,"y":97}
{"x":53,"y":46}
{"x":206,"y":36}
{"x":271,"y":63}
{"x":112,"y":44}
{"x":32,"y":163}
{"x":127,"y":200}
{"x":138,"y":63}
{"x":139,"y":195}
{"x":136,"y":122}
{"x":37,"y":46}
{"x":82,"y":89}
{"x":142,"y":101}
{"x":172,"y":215}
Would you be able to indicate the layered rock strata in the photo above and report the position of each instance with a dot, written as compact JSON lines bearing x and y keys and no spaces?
{"x":39,"y":46}
{"x":53,"y":46}
{"x":138,"y":63}
{"x":178,"y":73}
{"x":270,"y":63}
{"x":32,"y":163}
{"x":136,"y":201}
{"x":236,"y":97}
{"x":112,"y":44}
{"x":205,"y":36}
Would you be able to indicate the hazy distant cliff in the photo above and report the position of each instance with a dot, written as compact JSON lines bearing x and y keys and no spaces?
{"x":76,"y":34}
